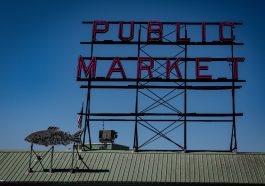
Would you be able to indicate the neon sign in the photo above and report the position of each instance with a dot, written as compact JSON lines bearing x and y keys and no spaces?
{"x":151,"y":73}
{"x":155,"y":35}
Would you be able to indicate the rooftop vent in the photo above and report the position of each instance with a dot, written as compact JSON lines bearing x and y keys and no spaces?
{"x":107,"y":136}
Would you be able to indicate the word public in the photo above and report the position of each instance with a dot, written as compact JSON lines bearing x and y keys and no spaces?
{"x":155,"y":31}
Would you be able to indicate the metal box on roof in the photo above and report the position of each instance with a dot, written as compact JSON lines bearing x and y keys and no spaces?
{"x":107,"y":136}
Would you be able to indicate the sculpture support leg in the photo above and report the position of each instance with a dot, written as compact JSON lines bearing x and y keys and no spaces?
{"x":30,"y":157}
{"x":51,"y":158}
{"x":73,"y":154}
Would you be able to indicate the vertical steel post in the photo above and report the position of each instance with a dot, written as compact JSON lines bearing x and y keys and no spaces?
{"x":88,"y":112}
{"x":233,"y":143}
{"x":185,"y":97}
{"x":135,"y":142}
{"x":87,"y":123}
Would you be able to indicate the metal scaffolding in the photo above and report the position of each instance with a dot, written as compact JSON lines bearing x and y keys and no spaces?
{"x":175,"y":87}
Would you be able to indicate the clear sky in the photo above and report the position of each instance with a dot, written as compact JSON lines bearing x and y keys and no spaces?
{"x":39,"y":47}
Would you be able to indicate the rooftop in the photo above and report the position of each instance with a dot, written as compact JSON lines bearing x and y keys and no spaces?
{"x":126,"y":167}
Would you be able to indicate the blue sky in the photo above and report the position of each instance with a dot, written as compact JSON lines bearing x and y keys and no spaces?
{"x":38,"y":58}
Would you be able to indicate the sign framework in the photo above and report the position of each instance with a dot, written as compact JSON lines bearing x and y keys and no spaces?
{"x":87,"y":70}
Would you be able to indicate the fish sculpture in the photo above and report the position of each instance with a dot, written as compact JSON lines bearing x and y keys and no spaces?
{"x":54,"y":136}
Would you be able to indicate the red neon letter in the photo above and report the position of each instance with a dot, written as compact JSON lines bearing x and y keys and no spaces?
{"x":174,"y":65}
{"x":198,"y":68}
{"x":235,"y":65}
{"x":221,"y":34}
{"x":235,"y":73}
{"x":90,"y":69}
{"x":116,"y":69}
{"x":158,"y":31}
{"x":121,"y":32}
{"x":203,"y":32}
{"x":148,"y":68}
{"x":97,"y":30}
{"x":178,"y":34}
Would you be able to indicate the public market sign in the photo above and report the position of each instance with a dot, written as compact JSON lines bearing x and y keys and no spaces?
{"x":155,"y":35}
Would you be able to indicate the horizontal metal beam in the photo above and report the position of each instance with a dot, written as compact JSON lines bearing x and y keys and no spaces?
{"x":163,"y":120}
{"x":165,"y":114}
{"x":165,"y":22}
{"x":221,"y":80}
{"x":227,"y":59}
{"x":186,"y":151}
{"x":160,"y":43}
{"x":203,"y":150}
{"x":162,"y":87}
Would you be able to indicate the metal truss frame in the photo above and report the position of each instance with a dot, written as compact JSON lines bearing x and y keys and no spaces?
{"x":146,"y":88}
{"x":40,"y":158}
